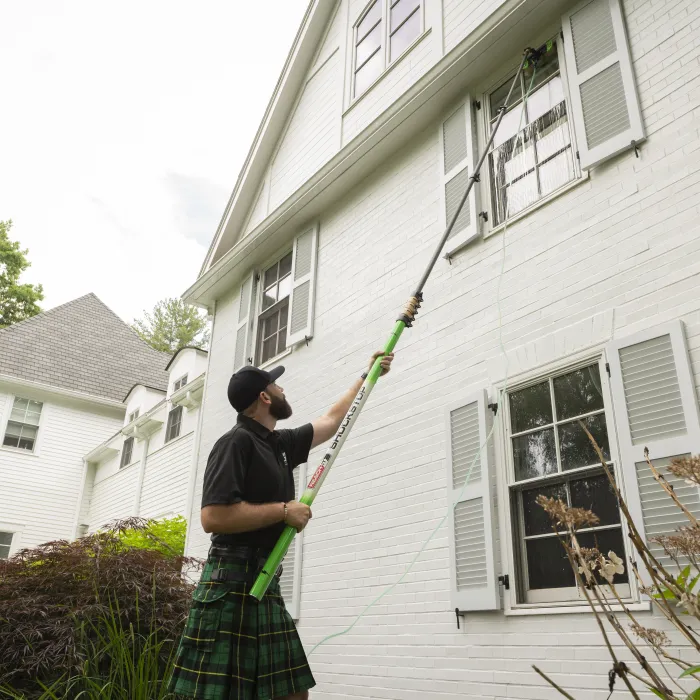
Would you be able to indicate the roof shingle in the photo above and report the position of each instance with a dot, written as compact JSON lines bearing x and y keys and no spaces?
{"x":82,"y":346}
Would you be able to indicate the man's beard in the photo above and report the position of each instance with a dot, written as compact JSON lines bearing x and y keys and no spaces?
{"x":280,"y":408}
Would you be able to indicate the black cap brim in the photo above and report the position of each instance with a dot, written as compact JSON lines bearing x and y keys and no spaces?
{"x":276,"y":373}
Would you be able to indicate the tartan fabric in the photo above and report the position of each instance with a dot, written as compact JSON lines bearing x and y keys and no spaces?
{"x":236,"y":648}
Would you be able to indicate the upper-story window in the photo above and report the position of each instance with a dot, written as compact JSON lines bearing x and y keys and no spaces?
{"x":383,"y":32}
{"x":532,"y":154}
{"x":172,"y":430}
{"x":127,"y":452}
{"x":23,"y":426}
{"x":5,"y":544}
{"x":180,"y":383}
{"x":272,"y":321}
{"x":133,"y":416}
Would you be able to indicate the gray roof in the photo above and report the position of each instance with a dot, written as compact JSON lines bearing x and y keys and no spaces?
{"x":83,"y":346}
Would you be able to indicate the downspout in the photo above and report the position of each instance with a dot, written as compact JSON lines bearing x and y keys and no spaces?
{"x":192,"y":481}
{"x":86,"y":474}
{"x":142,"y":473}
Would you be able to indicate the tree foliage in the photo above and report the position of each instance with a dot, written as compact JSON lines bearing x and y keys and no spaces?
{"x":173,"y":325}
{"x":17,"y":301}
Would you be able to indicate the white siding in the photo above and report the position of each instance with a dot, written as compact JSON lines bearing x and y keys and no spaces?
{"x":624,"y":246}
{"x":165,"y":481}
{"x":260,"y":208}
{"x":461,"y":17}
{"x":41,"y":490}
{"x":113,"y":497}
{"x":313,"y":134}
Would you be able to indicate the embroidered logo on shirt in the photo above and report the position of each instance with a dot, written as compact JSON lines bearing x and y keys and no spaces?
{"x":284,"y":457}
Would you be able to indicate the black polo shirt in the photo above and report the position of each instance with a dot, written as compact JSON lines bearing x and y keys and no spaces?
{"x":253,"y":464}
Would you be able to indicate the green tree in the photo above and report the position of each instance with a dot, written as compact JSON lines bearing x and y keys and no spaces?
{"x":17,"y":301}
{"x":173,"y":325}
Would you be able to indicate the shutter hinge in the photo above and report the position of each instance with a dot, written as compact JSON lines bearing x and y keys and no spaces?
{"x":578,"y":156}
{"x":494,"y":408}
{"x":257,"y":277}
{"x":484,"y":215}
{"x":505,"y":580}
{"x":477,"y":104}
{"x":459,"y":612}
{"x":636,"y":148}
{"x":607,"y":368}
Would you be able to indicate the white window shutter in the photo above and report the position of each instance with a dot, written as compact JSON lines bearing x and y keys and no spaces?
{"x":655,"y":406}
{"x":605,"y":106}
{"x":290,"y":581}
{"x":457,"y":163}
{"x":472,"y":529}
{"x":301,"y":303}
{"x":245,"y":323}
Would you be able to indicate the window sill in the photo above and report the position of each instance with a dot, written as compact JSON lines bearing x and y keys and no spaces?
{"x":275,"y":359}
{"x":570,"y":608}
{"x":540,"y":203}
{"x":356,"y":100}
{"x":19,"y":451}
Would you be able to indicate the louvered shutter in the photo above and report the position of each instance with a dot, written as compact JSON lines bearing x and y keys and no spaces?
{"x":472,"y":520}
{"x":656,"y":407}
{"x":244,"y":328}
{"x":456,"y":167}
{"x":301,"y":302}
{"x":604,"y":101}
{"x":290,"y":581}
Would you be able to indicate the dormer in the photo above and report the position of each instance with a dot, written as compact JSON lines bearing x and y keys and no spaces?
{"x":139,"y":401}
{"x":186,"y":365}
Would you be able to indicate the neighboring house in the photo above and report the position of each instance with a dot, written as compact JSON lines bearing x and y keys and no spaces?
{"x":77,"y":388}
{"x":365,"y":148}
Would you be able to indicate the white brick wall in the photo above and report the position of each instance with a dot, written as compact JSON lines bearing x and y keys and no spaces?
{"x":622,"y":246}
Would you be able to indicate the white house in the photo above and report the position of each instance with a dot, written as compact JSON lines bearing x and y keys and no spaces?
{"x":96,"y":425}
{"x":570,"y":290}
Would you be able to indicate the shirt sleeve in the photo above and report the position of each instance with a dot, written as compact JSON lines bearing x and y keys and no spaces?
{"x":225,"y":475}
{"x":297,"y":443}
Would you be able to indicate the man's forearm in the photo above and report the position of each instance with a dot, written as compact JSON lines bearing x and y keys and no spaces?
{"x":338,"y":410}
{"x":241,"y":517}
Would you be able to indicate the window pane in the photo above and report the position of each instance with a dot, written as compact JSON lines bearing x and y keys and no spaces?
{"x":11,"y":440}
{"x":285,"y":287}
{"x":374,"y":14}
{"x":270,"y":276}
{"x":596,"y":494}
{"x":498,"y":96}
{"x":270,"y":325}
{"x":534,"y":454}
{"x":405,"y":35}
{"x":269,"y":349}
{"x":552,"y":133}
{"x":576,"y":449}
{"x":546,"y":66}
{"x":270,"y":297}
{"x":508,"y":128}
{"x":520,"y":195}
{"x":282,"y":341}
{"x":578,"y":392}
{"x":607,"y":541}
{"x":5,"y":538}
{"x":544,"y":99}
{"x":286,"y":265}
{"x":537,"y":522}
{"x":401,"y":10}
{"x":21,"y":404}
{"x":368,"y":45}
{"x":368,"y":73}
{"x":530,"y":408}
{"x":26,"y":442}
{"x":548,"y":565}
{"x":13,"y":428}
{"x":557,"y":172}
{"x":32,"y":418}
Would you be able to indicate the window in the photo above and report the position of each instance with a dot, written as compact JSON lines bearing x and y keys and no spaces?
{"x":384,"y":31}
{"x":544,"y":159}
{"x":551,"y":455}
{"x":5,"y":543}
{"x":127,"y":452}
{"x":133,"y":416}
{"x":174,"y":422}
{"x":272,"y":321}
{"x":180,"y":383}
{"x":23,"y":426}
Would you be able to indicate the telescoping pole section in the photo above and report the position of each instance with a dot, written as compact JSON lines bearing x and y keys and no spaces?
{"x":405,"y":320}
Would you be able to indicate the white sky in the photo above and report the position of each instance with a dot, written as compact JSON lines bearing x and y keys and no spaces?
{"x":122,"y":130}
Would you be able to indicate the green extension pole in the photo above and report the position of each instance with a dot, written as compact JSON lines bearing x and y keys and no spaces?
{"x":405,"y":320}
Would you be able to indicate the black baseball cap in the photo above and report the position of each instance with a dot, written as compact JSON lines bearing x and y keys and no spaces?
{"x":246,"y":384}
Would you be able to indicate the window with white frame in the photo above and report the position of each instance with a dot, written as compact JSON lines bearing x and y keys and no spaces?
{"x":180,"y":383}
{"x":127,"y":452}
{"x":532,"y":153}
{"x":5,"y":544}
{"x":274,"y":312}
{"x":172,"y":429}
{"x":384,"y":30}
{"x":23,"y":426}
{"x":133,"y":416}
{"x":550,"y":454}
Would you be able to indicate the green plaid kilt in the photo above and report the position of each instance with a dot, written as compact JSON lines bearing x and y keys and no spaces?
{"x":236,"y":648}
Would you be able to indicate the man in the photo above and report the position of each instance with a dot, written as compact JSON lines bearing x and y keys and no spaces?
{"x":233,"y":647}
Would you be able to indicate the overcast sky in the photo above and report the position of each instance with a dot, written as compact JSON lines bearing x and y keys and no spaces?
{"x":122,"y":130}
